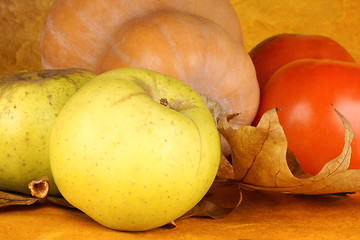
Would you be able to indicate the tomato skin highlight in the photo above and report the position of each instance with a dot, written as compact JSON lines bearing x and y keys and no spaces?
{"x":305,"y":91}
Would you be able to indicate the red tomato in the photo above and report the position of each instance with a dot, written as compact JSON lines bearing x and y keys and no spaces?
{"x":276,"y":51}
{"x":305,"y":90}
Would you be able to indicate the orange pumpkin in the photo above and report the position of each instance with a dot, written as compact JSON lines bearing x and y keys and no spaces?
{"x":196,"y":41}
{"x":77,"y":31}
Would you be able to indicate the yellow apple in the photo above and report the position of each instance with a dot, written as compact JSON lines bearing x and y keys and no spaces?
{"x":134,"y":149}
{"x":30,"y":101}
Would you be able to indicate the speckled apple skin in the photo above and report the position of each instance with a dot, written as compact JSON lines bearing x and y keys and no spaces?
{"x":30,"y":101}
{"x":128,"y":161}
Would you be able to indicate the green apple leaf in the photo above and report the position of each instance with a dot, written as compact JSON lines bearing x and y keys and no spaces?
{"x":262,"y":161}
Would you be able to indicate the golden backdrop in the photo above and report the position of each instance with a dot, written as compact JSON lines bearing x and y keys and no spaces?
{"x":21,"y":22}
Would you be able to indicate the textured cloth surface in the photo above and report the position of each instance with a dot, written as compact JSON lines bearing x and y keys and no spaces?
{"x":260,"y":216}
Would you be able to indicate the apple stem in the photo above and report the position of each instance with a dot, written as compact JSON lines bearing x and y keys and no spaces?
{"x":39,"y":188}
{"x":164,"y":101}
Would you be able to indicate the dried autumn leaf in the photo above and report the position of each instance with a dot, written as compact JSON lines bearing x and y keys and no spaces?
{"x":10,"y":199}
{"x":170,"y":225}
{"x":39,"y":189}
{"x":59,"y":201}
{"x":221,"y":199}
{"x":262,"y":161}
{"x":226,"y":170}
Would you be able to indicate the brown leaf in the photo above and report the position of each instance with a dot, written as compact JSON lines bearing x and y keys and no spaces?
{"x":59,"y":201}
{"x":221,"y":199}
{"x":9,"y":199}
{"x":226,"y":170}
{"x":170,"y":225}
{"x":262,"y":161}
{"x":39,"y":189}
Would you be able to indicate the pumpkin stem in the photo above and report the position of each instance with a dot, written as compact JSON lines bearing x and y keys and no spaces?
{"x":212,"y":106}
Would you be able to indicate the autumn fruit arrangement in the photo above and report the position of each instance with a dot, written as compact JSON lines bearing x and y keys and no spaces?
{"x":137,"y":146}
{"x":144,"y":114}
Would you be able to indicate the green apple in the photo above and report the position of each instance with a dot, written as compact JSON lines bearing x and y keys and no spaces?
{"x":30,"y":101}
{"x":134,"y":149}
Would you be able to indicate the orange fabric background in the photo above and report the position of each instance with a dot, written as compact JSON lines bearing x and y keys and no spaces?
{"x":261,"y":215}
{"x":337,"y":19}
